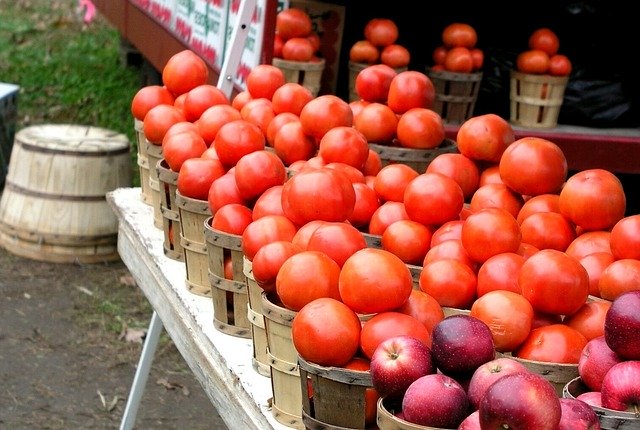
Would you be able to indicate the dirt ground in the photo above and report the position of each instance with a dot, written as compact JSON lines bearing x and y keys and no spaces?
{"x":70,"y":340}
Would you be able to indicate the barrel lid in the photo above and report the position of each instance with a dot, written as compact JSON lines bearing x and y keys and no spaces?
{"x":72,"y":138}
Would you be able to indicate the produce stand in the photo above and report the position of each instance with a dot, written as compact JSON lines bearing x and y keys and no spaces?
{"x":220,"y":362}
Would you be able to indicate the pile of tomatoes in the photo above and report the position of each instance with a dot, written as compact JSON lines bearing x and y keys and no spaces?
{"x":458,"y":52}
{"x":543,"y":57}
{"x":380,"y":45}
{"x":295,"y":39}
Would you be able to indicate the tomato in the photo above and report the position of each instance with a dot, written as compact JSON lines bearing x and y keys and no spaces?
{"x":324,"y":113}
{"x":363,"y":51}
{"x":410,"y":89}
{"x":554,"y":282}
{"x":196,"y":175}
{"x":374,"y":280}
{"x":420,"y":128}
{"x":619,"y":277}
{"x":297,"y":49}
{"x":290,"y":97}
{"x":509,"y":316}
{"x":179,"y":147}
{"x":158,"y":120}
{"x":545,"y":40}
{"x":314,"y":38}
{"x":326,"y":332}
{"x":560,"y":65}
{"x":451,"y":282}
{"x":263,"y":230}
{"x":305,"y":231}
{"x":541,"y":319}
{"x":263,"y":80}
{"x":554,"y":343}
{"x":293,"y":22}
{"x":236,"y":139}
{"x":184,"y":71}
{"x":232,"y":218}
{"x":533,"y":61}
{"x":548,"y":230}
{"x":477,"y":57}
{"x":593,"y":199}
{"x":449,"y":230}
{"x":496,"y":196}
{"x":395,"y":56}
{"x":484,"y":137}
{"x":539,"y":203}
{"x":258,"y":171}
{"x":372,"y":83}
{"x":371,"y":396}
{"x":438,"y":54}
{"x":367,"y":202}
{"x":407,"y":239}
{"x":223,"y":191}
{"x":595,"y":263}
{"x":392,"y":180}
{"x":433,"y":199}
{"x":148,"y":97}
{"x":259,"y":112}
{"x":460,"y":168}
{"x":269,"y":203}
{"x":357,"y":106}
{"x":589,"y":319}
{"x":500,"y":272}
{"x":241,"y":99}
{"x":490,"y":175}
{"x":179,"y":102}
{"x":278,"y":43}
{"x":278,"y":121}
{"x":377,"y":122}
{"x":625,"y":238}
{"x":458,"y":60}
{"x":381,"y":31}
{"x":424,"y":308}
{"x":338,"y":240}
{"x":344,"y":144}
{"x":386,"y":325}
{"x":201,"y":98}
{"x":490,"y":231}
{"x":213,"y":118}
{"x":589,"y":242}
{"x":292,"y":144}
{"x":268,"y":260}
{"x":385,"y":215}
{"x":451,"y":248}
{"x":324,"y":194}
{"x":459,"y":34}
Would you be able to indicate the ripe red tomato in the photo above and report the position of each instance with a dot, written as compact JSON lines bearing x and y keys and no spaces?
{"x":391,"y":181}
{"x":500,"y":272}
{"x":232,"y":219}
{"x":298,"y":49}
{"x":533,"y":165}
{"x":496,"y":196}
{"x":539,"y":203}
{"x":179,"y":147}
{"x":545,"y":40}
{"x":301,"y":238}
{"x":593,"y":199}
{"x":223,"y":191}
{"x":213,"y":118}
{"x":371,"y":396}
{"x":278,"y":42}
{"x":374,"y":280}
{"x":625,"y":238}
{"x":458,"y":167}
{"x":450,"y":281}
{"x":589,"y":319}
{"x":241,"y":99}
{"x":450,"y":248}
{"x":459,"y":34}
{"x":490,"y":231}
{"x":533,"y":61}
{"x":184,"y":71}
{"x":595,"y":263}
{"x":407,"y":239}
{"x":258,"y":171}
{"x":424,"y":308}
{"x":263,"y":80}
{"x":484,"y":137}
{"x":395,"y":56}
{"x":196,"y":175}
{"x":433,"y":199}
{"x":420,"y":128}
{"x":338,"y":240}
{"x":158,"y":120}
{"x":373,"y":82}
{"x":148,"y":97}
{"x":410,"y":89}
{"x":326,"y":332}
{"x":367,"y":202}
{"x":381,"y":31}
{"x":554,"y":282}
{"x":385,"y":215}
{"x":589,"y":242}
{"x":477,"y":55}
{"x":268,"y":260}
{"x":236,"y":139}
{"x":290,"y":97}
{"x":269,"y":203}
{"x":560,"y":65}
{"x":324,"y":113}
{"x":258,"y":112}
{"x":553,"y":343}
{"x":261,"y":231}
{"x":292,"y":144}
{"x":278,"y":121}
{"x":344,"y":144}
{"x":490,"y":174}
{"x":619,"y":277}
{"x":363,"y":51}
{"x":377,"y":122}
{"x":293,"y":22}
{"x":201,"y":98}
{"x":458,"y":60}
{"x":373,"y":165}
{"x":548,"y":230}
{"x":438,"y":55}
{"x":449,"y":230}
{"x":388,"y":324}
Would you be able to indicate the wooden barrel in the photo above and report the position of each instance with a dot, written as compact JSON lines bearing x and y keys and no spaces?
{"x":54,"y":206}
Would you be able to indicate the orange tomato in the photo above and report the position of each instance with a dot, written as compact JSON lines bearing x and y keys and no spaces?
{"x":236,"y":139}
{"x":363,"y":51}
{"x":392,"y":180}
{"x":268,"y":260}
{"x":490,"y":231}
{"x":539,"y":203}
{"x":533,"y":61}
{"x":458,"y":60}
{"x":589,"y":242}
{"x":449,"y":230}
{"x":589,"y":319}
{"x":201,"y":98}
{"x":407,"y":239}
{"x":619,"y":277}
{"x":500,"y":272}
{"x":338,"y":240}
{"x":148,"y":97}
{"x":292,"y":144}
{"x":595,"y":263}
{"x":459,"y":34}
{"x":344,"y":144}
{"x":451,"y":282}
{"x":213,"y":118}
{"x":420,"y":128}
{"x":261,"y":231}
{"x":553,"y":343}
{"x":290,"y":97}
{"x":298,"y":49}
{"x":263,"y":80}
{"x":433,"y":199}
{"x":625,"y":238}
{"x":387,"y":213}
{"x":496,"y":196}
{"x":381,"y":31}
{"x":545,"y":40}
{"x":158,"y":120}
{"x":377,"y":122}
{"x":324,"y":113}
{"x":424,"y":308}
{"x":184,"y":71}
{"x":388,"y":324}
{"x":395,"y":56}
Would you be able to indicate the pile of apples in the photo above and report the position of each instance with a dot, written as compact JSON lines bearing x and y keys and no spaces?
{"x":542,"y":57}
{"x":295,"y":39}
{"x":458,"y":52}
{"x":380,"y":46}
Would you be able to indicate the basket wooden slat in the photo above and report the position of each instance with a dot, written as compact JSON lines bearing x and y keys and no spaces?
{"x":417,"y":159}
{"x":167,"y":180}
{"x":536,"y":99}
{"x":193,"y":213}
{"x":260,"y":359}
{"x":456,"y":94}
{"x":142,"y":161}
{"x":306,"y":73}
{"x":154,"y":155}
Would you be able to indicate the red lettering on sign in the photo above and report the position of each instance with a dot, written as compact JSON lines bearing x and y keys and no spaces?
{"x":183,"y":29}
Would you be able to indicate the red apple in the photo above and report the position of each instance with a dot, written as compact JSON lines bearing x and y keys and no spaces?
{"x":397,"y":362}
{"x":595,"y":361}
{"x":621,"y":387}
{"x":435,"y":400}
{"x":460,"y":344}
{"x":577,"y":415}
{"x":488,"y":373}
{"x":622,"y":325}
{"x":472,"y":422}
{"x":520,"y":400}
{"x":593,"y":398}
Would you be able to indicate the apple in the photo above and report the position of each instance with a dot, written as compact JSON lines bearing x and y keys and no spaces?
{"x":472,"y":422}
{"x":520,"y":400}
{"x":397,"y":362}
{"x":621,"y":387}
{"x":577,"y":415}
{"x":435,"y":400}
{"x":593,"y":398}
{"x":622,"y":325}
{"x":488,"y":373}
{"x":461,"y":343}
{"x":594,"y":362}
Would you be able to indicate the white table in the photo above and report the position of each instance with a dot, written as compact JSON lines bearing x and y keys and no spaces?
{"x":221,"y":363}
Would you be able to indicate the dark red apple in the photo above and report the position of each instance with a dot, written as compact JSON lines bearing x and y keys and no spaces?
{"x":577,"y":415}
{"x":593,"y":398}
{"x":488,"y":373}
{"x":461,"y":343}
{"x":472,"y":422}
{"x":397,"y":362}
{"x":521,"y":400}
{"x":595,"y":361}
{"x":622,"y":325}
{"x":435,"y":400}
{"x":621,"y":387}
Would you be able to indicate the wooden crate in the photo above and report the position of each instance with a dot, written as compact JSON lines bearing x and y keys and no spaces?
{"x":456,"y":94}
{"x":536,"y":99}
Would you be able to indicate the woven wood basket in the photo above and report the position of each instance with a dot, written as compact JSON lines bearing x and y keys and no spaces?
{"x":142,"y":161}
{"x":456,"y":94}
{"x":418,"y":159}
{"x":167,"y":180}
{"x":193,"y":214}
{"x":260,"y":358}
{"x":306,"y":73}
{"x":536,"y":99}
{"x":154,"y":155}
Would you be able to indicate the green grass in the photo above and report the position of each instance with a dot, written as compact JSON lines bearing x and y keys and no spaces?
{"x":68,"y":72}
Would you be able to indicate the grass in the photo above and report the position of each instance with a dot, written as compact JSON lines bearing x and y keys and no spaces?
{"x":68,"y":72}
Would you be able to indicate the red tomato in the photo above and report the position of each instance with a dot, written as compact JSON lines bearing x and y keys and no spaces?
{"x":264,"y":230}
{"x":458,"y":60}
{"x":374,"y":280}
{"x":458,"y":167}
{"x":548,"y":230}
{"x":625,"y":238}
{"x":490,"y":175}
{"x":326,"y":332}
{"x":293,"y":22}
{"x":533,"y":61}
{"x":560,"y":65}
{"x":449,"y":230}
{"x":297,"y":49}
{"x":595,"y":263}
{"x":292,"y":144}
{"x":236,"y":139}
{"x":268,"y":260}
{"x":619,"y":277}
{"x":377,"y":122}
{"x":357,"y":106}
{"x":459,"y":34}
{"x":258,"y":112}
{"x":410,"y":89}
{"x":450,"y":248}
{"x":258,"y":171}
{"x":496,"y":196}
{"x":338,"y":240}
{"x":148,"y":97}
{"x":500,"y":272}
{"x":363,"y":51}
{"x":385,"y":215}
{"x":593,"y":199}
{"x":391,"y":181}
{"x":381,"y":31}
{"x":554,"y":343}
{"x":201,"y":98}
{"x":371,"y":396}
{"x":213,"y":118}
{"x":269,"y":203}
{"x":484,"y":137}
{"x":539,"y":203}
{"x":438,"y":55}
{"x":554,"y":282}
{"x":278,"y":121}
{"x":589,"y":319}
{"x":372,"y":83}
{"x":395,"y":56}
{"x":420,"y":128}
{"x":367,"y":202}
{"x":545,"y":40}
{"x":196,"y":175}
{"x":304,"y":232}
{"x":407,"y":239}
{"x":373,"y":165}
{"x":490,"y":231}
{"x":424,"y":308}
{"x":223,"y":191}
{"x":158,"y":120}
{"x":232,"y":219}
{"x":477,"y":56}
{"x":433,"y":199}
{"x":314,"y":38}
{"x":386,"y":325}
{"x":290,"y":97}
{"x":184,"y":71}
{"x":241,"y":99}
{"x":589,"y":242}
{"x":344,"y":144}
{"x":278,"y":42}
{"x":179,"y":147}
{"x":451,"y":282}
{"x":263,"y":80}
{"x":324,"y":113}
